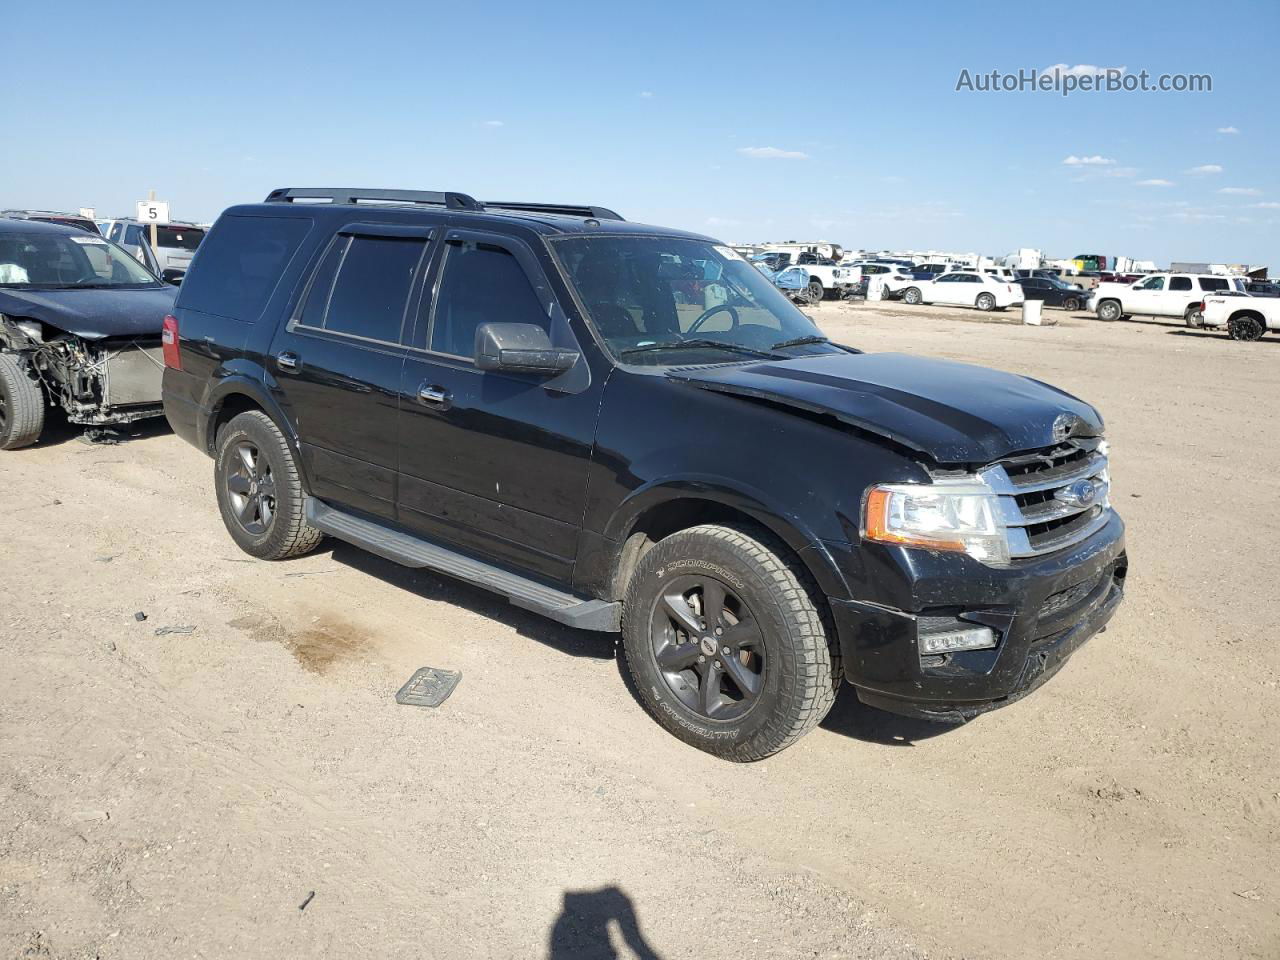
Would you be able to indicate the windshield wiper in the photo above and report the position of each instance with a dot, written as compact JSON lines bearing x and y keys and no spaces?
{"x":799,"y":342}
{"x":698,"y":343}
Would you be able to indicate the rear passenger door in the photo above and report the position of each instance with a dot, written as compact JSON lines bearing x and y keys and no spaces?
{"x":337,"y":361}
{"x":493,"y":463}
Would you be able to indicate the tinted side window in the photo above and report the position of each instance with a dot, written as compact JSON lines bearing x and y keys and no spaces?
{"x":372,"y":287}
{"x":239,"y":264}
{"x":482,"y":283}
{"x":1180,"y":283}
{"x":1207,"y":283}
{"x":133,"y":235}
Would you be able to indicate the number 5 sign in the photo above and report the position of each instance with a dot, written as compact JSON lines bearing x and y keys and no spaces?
{"x":153,"y":211}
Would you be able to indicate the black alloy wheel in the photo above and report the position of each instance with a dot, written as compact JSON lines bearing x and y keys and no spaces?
{"x":251,"y":488}
{"x":708,"y":647}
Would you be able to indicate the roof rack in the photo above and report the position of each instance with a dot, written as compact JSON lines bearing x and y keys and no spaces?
{"x":448,"y":199}
{"x":556,"y":209}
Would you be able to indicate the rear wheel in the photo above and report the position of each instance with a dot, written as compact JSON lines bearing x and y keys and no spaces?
{"x":911,"y":295}
{"x":259,"y":490}
{"x":1109,"y":310}
{"x":727,"y":642}
{"x":1193,"y":317}
{"x":21,"y":405}
{"x":816,"y":292}
{"x":1247,"y":328}
{"x":985,"y":302}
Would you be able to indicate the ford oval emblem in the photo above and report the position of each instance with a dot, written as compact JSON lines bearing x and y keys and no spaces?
{"x":1080,"y":494}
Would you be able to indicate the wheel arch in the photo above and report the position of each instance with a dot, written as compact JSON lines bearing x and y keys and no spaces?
{"x":659,"y":511}
{"x":237,"y":394}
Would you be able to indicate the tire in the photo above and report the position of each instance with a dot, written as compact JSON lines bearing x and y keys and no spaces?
{"x":985,"y":302}
{"x":259,"y":490}
{"x":816,"y":291}
{"x":21,"y":405}
{"x":1192,"y":317}
{"x":1071,"y":304}
{"x":1109,"y":310}
{"x":912,"y":296}
{"x":1246,"y":328}
{"x":772,"y":622}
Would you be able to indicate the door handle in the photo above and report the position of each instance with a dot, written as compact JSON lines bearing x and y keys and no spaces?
{"x":432,"y":395}
{"x":288,"y":360}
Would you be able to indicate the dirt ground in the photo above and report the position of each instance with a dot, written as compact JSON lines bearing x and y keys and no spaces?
{"x":183,"y":794}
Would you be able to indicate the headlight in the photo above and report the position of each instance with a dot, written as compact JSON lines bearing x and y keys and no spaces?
{"x":961,"y":516}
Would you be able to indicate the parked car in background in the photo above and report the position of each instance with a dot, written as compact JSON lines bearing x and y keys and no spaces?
{"x":176,"y":244}
{"x":80,"y":323}
{"x":1245,"y":317}
{"x":822,"y":277}
{"x":515,"y":395}
{"x":1262,"y":288}
{"x":50,"y":216}
{"x":967,"y":289}
{"x":931,"y":271}
{"x":1053,"y":292}
{"x":1161,"y":295}
{"x":892,"y":277}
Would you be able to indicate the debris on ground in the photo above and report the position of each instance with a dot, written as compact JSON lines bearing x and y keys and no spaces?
{"x":303,"y":905}
{"x":165,"y":631}
{"x":139,"y":616}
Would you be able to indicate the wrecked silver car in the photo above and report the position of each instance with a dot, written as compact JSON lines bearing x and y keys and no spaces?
{"x":80,"y":329}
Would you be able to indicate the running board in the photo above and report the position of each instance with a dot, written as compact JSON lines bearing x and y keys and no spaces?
{"x":410,"y":551}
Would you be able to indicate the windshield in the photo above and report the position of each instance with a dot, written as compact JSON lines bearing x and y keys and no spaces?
{"x":664,"y":300}
{"x":53,"y":261}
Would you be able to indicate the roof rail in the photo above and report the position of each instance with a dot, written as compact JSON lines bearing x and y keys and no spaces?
{"x":449,"y":199}
{"x":556,"y":209}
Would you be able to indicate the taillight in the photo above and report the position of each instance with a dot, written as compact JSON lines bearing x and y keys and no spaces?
{"x":169,"y":343}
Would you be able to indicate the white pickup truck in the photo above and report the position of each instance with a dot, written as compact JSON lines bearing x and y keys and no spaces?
{"x":1246,"y":318}
{"x":1161,"y":295}
{"x":825,"y":278}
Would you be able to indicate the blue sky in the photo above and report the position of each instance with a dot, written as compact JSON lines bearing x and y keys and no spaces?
{"x":654,"y":109}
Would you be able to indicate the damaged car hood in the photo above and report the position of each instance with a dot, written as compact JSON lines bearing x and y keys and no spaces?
{"x":93,"y":314}
{"x":954,"y":413}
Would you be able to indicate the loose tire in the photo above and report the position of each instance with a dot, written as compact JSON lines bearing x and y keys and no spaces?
{"x":259,"y":490}
{"x":727,"y":642}
{"x":1193,"y":317}
{"x":912,"y":296}
{"x":985,"y":302}
{"x":816,"y":291}
{"x":1246,"y":328}
{"x":21,"y":405}
{"x":1109,"y":310}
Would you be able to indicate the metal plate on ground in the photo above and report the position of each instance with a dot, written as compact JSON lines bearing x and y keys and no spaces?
{"x":428,"y":687}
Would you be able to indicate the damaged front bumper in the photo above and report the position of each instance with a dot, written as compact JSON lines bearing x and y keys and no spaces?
{"x":1041,"y":611}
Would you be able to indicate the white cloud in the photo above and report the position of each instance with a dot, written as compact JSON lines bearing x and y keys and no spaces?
{"x":493,"y":123}
{"x":1228,"y":130}
{"x":1155,"y":183}
{"x":1081,"y":70}
{"x":1206,"y":168}
{"x":1241,"y":191}
{"x":1093,"y":161}
{"x":646,"y":94}
{"x":772,"y":153}
{"x":1267,"y":205}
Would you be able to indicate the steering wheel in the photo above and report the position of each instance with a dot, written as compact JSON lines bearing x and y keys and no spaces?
{"x":708,"y":314}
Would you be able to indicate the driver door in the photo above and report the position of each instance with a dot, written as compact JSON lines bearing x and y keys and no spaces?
{"x":493,"y":463}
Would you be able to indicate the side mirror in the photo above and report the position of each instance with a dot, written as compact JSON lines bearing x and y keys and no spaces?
{"x":520,"y":348}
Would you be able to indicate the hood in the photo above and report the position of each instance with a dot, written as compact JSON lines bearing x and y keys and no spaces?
{"x":93,"y":314}
{"x":954,"y":413}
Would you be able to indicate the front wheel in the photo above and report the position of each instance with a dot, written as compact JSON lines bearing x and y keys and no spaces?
{"x":1109,"y":310}
{"x":816,"y":291}
{"x":21,"y":405}
{"x":985,"y":302}
{"x":260,"y":491}
{"x":727,"y":642}
{"x":911,"y":296}
{"x":1071,"y":303}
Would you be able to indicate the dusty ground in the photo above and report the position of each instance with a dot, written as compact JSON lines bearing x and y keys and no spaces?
{"x":180,"y":795}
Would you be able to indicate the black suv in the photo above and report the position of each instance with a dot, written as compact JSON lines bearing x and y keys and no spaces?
{"x":625,"y":427}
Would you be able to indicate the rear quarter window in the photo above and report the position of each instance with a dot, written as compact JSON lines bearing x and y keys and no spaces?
{"x":239,"y":264}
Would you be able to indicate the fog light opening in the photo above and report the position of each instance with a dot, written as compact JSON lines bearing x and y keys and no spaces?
{"x":955,"y":639}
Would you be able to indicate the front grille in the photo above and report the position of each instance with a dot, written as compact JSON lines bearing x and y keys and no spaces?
{"x":1053,"y":498}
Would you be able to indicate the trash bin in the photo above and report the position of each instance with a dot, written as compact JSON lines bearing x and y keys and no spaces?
{"x":875,"y":288}
{"x":1031,"y":312}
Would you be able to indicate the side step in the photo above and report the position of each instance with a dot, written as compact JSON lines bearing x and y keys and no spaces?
{"x":410,"y":551}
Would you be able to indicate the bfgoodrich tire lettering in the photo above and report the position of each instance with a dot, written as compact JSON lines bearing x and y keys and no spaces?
{"x":259,"y":490}
{"x":770,"y":620}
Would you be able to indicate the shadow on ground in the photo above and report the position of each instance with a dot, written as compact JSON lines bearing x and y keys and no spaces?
{"x":581,"y":931}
